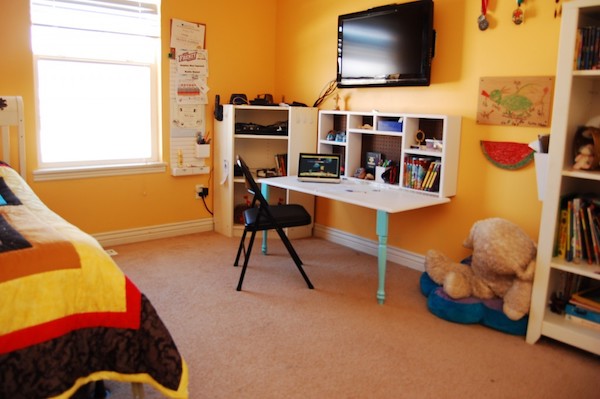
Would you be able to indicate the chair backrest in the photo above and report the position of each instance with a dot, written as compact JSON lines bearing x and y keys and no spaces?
{"x":251,"y":184}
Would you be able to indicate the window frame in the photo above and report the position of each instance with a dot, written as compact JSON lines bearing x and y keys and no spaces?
{"x":73,"y":170}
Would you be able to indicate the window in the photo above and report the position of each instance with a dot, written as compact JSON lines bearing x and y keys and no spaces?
{"x":97,"y":82}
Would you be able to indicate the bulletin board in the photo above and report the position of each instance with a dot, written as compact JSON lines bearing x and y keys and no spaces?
{"x":188,"y":96}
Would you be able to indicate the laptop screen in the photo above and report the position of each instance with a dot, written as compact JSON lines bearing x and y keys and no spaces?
{"x":319,"y":167}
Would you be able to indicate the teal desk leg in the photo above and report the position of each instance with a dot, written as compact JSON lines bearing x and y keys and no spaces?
{"x":264,"y":189}
{"x":382,"y":233}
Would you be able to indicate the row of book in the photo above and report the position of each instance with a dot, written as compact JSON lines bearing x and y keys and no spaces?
{"x":587,"y":48}
{"x":578,"y":238}
{"x":421,"y":173}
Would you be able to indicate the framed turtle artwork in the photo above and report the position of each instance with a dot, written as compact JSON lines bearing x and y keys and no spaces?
{"x":515,"y":101}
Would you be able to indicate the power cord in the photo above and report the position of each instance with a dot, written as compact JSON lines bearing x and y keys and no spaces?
{"x":327,"y":91}
{"x":204,"y":197}
{"x":206,"y":206}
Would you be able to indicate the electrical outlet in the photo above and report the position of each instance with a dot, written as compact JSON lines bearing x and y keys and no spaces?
{"x":201,"y":191}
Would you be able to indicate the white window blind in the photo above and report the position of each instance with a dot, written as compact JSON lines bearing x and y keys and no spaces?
{"x":96,"y":65}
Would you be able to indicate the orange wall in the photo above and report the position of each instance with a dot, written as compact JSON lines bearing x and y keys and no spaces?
{"x":306,"y":61}
{"x":287,"y":48}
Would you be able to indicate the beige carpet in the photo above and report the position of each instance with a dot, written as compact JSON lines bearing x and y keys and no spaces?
{"x":278,"y":339}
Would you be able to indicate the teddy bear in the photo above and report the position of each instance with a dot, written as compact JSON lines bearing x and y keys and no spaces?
{"x":502,"y":265}
{"x":585,"y":158}
{"x":586,"y":146}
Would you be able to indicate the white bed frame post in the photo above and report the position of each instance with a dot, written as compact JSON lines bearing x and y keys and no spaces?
{"x":12,"y":115}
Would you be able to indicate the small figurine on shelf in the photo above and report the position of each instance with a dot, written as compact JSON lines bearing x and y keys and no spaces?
{"x":585,"y":159}
{"x":586,"y":146}
{"x":340,"y":102}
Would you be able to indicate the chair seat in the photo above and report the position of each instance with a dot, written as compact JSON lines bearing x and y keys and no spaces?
{"x":289,"y":215}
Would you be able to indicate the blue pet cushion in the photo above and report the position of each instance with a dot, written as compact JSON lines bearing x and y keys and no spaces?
{"x":469,"y":310}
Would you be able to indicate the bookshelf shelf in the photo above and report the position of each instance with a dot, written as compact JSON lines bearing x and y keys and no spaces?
{"x":260,"y":137}
{"x":259,"y":151}
{"x":580,"y":269}
{"x":391,"y":135}
{"x":587,"y":72}
{"x":590,"y":175}
{"x":331,"y":142}
{"x":423,"y":152}
{"x":558,"y":327}
{"x":576,"y":102}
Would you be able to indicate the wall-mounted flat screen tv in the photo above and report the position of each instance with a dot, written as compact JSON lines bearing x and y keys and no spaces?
{"x":391,"y":45}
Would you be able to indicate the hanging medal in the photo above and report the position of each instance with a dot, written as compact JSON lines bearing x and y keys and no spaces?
{"x":518,"y":15}
{"x":482,"y":20}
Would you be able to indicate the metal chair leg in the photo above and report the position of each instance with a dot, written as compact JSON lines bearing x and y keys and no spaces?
{"x":241,"y":248}
{"x":294,"y":255}
{"x":246,"y":260}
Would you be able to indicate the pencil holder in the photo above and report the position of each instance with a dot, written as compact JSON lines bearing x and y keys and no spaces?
{"x":202,"y":151}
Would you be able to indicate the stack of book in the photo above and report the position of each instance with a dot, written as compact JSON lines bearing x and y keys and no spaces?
{"x":584,"y":308}
{"x":281,"y":164}
{"x":421,"y":173}
{"x":578,"y":239}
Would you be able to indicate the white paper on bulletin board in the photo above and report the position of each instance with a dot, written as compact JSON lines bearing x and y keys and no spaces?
{"x":185,"y":34}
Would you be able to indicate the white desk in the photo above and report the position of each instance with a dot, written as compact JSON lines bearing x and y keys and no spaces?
{"x":381,"y":197}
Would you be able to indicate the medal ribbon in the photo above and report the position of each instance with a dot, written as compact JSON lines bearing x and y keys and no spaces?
{"x":484,"y":6}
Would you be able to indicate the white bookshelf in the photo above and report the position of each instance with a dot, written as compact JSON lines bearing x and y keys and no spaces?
{"x":259,"y":150}
{"x":576,"y":100}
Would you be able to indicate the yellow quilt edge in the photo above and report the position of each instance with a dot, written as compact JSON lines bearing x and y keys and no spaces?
{"x":181,"y":393}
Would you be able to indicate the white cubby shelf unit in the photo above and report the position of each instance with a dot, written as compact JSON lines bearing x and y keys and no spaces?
{"x":405,"y":139}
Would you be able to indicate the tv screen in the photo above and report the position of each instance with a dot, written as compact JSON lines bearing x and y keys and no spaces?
{"x":386,"y":46}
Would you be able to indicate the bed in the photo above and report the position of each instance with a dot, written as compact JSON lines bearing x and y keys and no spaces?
{"x":68,"y":315}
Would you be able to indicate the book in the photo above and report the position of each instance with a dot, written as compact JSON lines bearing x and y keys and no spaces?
{"x":428,"y":174}
{"x":561,"y":246}
{"x":589,"y":297}
{"x":583,"y":312}
{"x":434,"y":180}
{"x":582,"y":321}
{"x":569,"y":252}
{"x":581,"y":305}
{"x":587,"y":245}
{"x":372,"y":159}
{"x":593,"y":234}
{"x":577,"y":242}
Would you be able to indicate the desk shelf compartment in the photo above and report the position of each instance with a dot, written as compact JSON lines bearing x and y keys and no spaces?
{"x":397,"y":137}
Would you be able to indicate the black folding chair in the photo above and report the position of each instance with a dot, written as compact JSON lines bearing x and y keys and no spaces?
{"x":261,"y":216}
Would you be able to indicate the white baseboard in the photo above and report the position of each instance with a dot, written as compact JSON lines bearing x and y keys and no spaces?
{"x":395,"y":255}
{"x":154,"y":232}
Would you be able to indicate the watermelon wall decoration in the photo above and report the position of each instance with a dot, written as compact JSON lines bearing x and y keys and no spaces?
{"x":507,"y":155}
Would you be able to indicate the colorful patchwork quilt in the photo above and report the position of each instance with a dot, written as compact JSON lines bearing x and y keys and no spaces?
{"x":68,"y":314}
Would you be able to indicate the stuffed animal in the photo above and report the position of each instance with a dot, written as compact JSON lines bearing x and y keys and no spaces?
{"x":585,"y":158}
{"x":502,"y":265}
{"x":586,"y":147}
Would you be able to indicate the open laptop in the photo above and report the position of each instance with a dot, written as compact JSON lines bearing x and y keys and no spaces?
{"x":322,"y":168}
